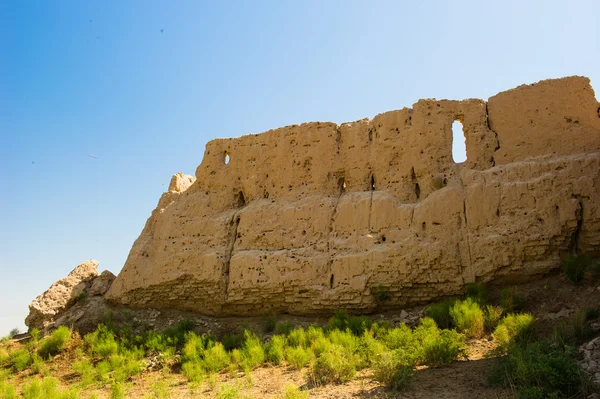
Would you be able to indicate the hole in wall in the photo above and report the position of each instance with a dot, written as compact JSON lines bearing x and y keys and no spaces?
{"x":331,"y":281}
{"x":459,"y":145}
{"x":372,"y":182}
{"x":341,"y":185}
{"x":240,"y":199}
{"x":417,"y":190}
{"x":226,"y":159}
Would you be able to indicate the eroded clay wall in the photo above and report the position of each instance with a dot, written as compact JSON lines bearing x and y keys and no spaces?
{"x":313,"y":217}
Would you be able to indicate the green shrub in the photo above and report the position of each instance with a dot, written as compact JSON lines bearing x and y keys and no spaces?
{"x":297,"y":356}
{"x":575,"y":267}
{"x":335,"y":365}
{"x":440,"y":313}
{"x":117,"y":390}
{"x":447,"y":347}
{"x":510,"y":299}
{"x":270,"y":323}
{"x":194,"y":372}
{"x":55,"y":343}
{"x":515,"y":328}
{"x":85,"y":369}
{"x":400,"y":337}
{"x":491,"y":317}
{"x":275,"y":349}
{"x":7,"y":390}
{"x":467,"y":316}
{"x":253,"y":353}
{"x":356,"y":324}
{"x":369,"y":348}
{"x":228,"y":391}
{"x":101,"y":342}
{"x":46,"y":388}
{"x":576,"y":330}
{"x":381,"y":294}
{"x":539,"y":371}
{"x":582,"y":331}
{"x":12,"y":333}
{"x":477,"y":292}
{"x":215,"y":358}
{"x":20,"y":359}
{"x":344,"y":339}
{"x":285,"y":327}
{"x":392,"y":369}
{"x":297,"y":337}
{"x":291,"y":391}
{"x":233,"y":341}
{"x":177,"y":333}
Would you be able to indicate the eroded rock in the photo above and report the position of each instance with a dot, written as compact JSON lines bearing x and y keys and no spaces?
{"x":315,"y":217}
{"x":82,"y":282}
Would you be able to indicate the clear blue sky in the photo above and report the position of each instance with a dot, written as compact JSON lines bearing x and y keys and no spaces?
{"x":143,"y":85}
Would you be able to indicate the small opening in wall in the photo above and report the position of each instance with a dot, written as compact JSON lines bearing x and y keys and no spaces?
{"x":459,"y":147}
{"x":226,"y":160}
{"x":372,"y":182}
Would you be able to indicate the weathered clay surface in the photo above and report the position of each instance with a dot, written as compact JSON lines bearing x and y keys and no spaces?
{"x":311,"y":218}
{"x":82,"y":281}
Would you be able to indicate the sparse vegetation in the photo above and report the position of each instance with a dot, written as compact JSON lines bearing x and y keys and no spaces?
{"x":112,"y":357}
{"x":537,"y":370}
{"x":515,"y":329}
{"x":575,"y":267}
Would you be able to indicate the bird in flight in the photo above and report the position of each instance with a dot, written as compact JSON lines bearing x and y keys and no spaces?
{"x":92,"y":156}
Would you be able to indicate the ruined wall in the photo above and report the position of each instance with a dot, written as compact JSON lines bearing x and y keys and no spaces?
{"x":311,"y":218}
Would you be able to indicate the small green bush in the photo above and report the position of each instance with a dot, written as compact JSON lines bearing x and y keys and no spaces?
{"x":7,"y":390}
{"x":55,"y":343}
{"x":85,"y":369}
{"x":515,"y":328}
{"x":46,"y":388}
{"x":297,"y":356}
{"x":291,"y":391}
{"x":369,"y":348}
{"x":285,"y":327}
{"x":253,"y":353}
{"x":297,"y":337}
{"x":20,"y":359}
{"x":194,"y":372}
{"x":477,"y":292}
{"x":491,"y":317}
{"x":215,"y":358}
{"x":275,"y":350}
{"x":335,"y":365}
{"x":228,"y":391}
{"x":117,"y":390}
{"x":343,"y":321}
{"x":575,"y":267}
{"x":392,"y":369}
{"x":468,"y":318}
{"x":400,"y":337}
{"x":511,"y":300}
{"x":537,"y":370}
{"x":447,"y":347}
{"x":270,"y":323}
{"x":233,"y":341}
{"x":440,"y":313}
{"x":101,"y":342}
{"x":381,"y":294}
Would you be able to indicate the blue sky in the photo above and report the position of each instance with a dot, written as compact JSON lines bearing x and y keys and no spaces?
{"x":143,"y":85}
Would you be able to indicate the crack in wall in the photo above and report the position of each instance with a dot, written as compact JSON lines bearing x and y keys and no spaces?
{"x":233,"y":235}
{"x":341,"y":190}
{"x":575,"y":237}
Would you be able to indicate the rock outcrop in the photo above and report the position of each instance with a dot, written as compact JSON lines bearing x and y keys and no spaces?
{"x":82,"y":282}
{"x":315,"y":217}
